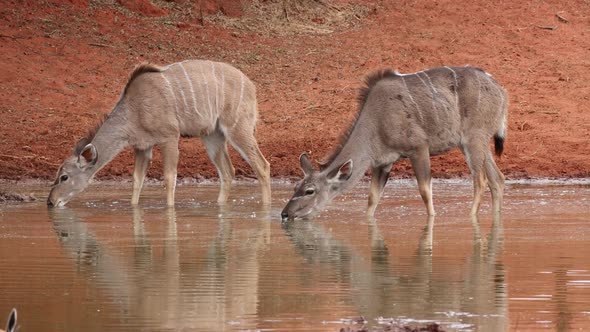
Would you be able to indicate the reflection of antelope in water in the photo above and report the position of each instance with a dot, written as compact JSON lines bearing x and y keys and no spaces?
{"x":210,"y":100}
{"x":412,"y":116}
{"x":97,"y":261}
{"x":382,"y":290}
{"x":202,"y":285}
{"x":484,"y":271}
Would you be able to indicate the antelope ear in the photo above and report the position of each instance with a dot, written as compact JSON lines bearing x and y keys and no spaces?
{"x":88,"y":156}
{"x":343,"y":174}
{"x":80,"y":145}
{"x":305,"y":163}
{"x":11,"y":325}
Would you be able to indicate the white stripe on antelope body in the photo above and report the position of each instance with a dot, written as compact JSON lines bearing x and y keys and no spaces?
{"x":157,"y":107}
{"x":412,"y":116}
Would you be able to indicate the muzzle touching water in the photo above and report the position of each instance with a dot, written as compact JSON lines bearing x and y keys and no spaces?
{"x":289,"y":213}
{"x":58,"y":203}
{"x":54,"y":201}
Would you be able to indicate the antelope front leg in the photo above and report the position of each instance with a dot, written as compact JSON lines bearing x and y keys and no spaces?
{"x":378,"y":181}
{"x":421,"y":165}
{"x":170,"y":160}
{"x":142,"y":161}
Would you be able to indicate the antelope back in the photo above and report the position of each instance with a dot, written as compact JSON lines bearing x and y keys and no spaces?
{"x":189,"y":99}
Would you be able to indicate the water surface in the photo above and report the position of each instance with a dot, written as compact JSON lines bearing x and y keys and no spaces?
{"x":100,"y":265}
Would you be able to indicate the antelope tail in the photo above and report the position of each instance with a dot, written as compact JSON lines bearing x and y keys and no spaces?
{"x":498,"y":144}
{"x":499,"y":138}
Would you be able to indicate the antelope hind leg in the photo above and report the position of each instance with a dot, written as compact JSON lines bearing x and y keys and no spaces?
{"x":496,"y":182}
{"x":421,"y":165}
{"x":244,"y":141}
{"x":475,"y":156}
{"x":217,"y":150}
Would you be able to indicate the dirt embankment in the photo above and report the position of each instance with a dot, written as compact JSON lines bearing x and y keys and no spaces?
{"x":65,"y":62}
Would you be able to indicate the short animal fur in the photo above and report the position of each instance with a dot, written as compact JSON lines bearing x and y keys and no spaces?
{"x":412,"y":116}
{"x":210,"y":100}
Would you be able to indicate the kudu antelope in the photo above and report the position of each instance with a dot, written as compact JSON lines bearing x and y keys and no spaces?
{"x":210,"y":100}
{"x":412,"y":116}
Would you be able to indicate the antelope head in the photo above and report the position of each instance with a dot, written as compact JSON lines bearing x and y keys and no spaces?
{"x":316,"y":189}
{"x":74,"y":174}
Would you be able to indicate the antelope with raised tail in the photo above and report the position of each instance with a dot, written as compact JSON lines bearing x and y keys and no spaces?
{"x":412,"y":116}
{"x":210,"y":100}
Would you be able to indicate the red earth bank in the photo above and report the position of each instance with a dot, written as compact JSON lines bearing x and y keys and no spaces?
{"x":65,"y":62}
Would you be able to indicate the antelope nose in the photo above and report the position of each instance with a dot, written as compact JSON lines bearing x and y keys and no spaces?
{"x":49,"y":203}
{"x":284,"y":215}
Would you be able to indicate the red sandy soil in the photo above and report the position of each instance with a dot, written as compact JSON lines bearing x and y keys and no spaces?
{"x":65,"y":62}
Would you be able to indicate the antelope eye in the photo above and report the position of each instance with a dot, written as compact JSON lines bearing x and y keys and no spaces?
{"x":309,"y":191}
{"x":63,"y":178}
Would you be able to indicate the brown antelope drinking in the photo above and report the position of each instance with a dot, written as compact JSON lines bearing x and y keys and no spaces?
{"x":210,"y":100}
{"x":412,"y":116}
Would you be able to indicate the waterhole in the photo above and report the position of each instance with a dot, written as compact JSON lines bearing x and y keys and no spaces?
{"x":100,"y":265}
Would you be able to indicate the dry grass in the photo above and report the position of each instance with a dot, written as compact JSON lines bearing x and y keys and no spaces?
{"x":287,"y":17}
{"x":267,"y":17}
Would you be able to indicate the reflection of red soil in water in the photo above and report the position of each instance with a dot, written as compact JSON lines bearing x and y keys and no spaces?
{"x":65,"y":63}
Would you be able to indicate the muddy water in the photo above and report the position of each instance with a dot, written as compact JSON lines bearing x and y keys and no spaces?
{"x":99,"y":265}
